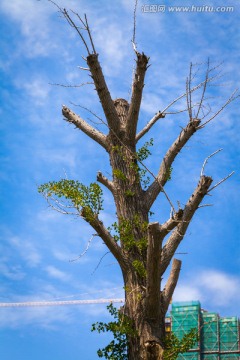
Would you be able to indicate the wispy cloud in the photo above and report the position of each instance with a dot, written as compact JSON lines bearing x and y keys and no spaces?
{"x":212,"y":287}
{"x":27,"y":250}
{"x":55,"y":273}
{"x":11,"y":272}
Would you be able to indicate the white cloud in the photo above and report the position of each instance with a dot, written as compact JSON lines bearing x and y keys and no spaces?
{"x":55,"y":273}
{"x":215,"y":288}
{"x":12,"y":272}
{"x":27,"y":250}
{"x":60,"y":156}
{"x":37,"y":88}
{"x":187,"y":293}
{"x":33,"y":19}
{"x":222,"y":288}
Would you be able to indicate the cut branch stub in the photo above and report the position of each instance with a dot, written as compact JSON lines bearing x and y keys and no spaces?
{"x":103,"y":92}
{"x":153,"y":267}
{"x":137,"y":89}
{"x":122,"y":108}
{"x":81,"y":124}
{"x":162,"y":177}
{"x":105,"y":235}
{"x":178,"y":234}
{"x":171,"y":283}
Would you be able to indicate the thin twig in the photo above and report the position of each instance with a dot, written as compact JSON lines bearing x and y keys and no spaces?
{"x":206,"y":160}
{"x":84,"y":252}
{"x":83,"y":68}
{"x":71,"y":22}
{"x":108,"y":252}
{"x":221,"y":181}
{"x":204,"y":205}
{"x":204,"y":89}
{"x":190,"y":94}
{"x":59,"y":209}
{"x":230,"y":99}
{"x":192,"y":90}
{"x":161,"y":114}
{"x":72,"y":86}
{"x":134,"y":27}
{"x":90,"y":35}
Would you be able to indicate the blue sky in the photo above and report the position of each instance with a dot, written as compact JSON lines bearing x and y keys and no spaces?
{"x":39,"y":48}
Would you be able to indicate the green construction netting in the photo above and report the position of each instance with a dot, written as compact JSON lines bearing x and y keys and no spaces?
{"x":185,"y":317}
{"x":209,"y":332}
{"x":229,"y":334}
{"x":189,"y":356}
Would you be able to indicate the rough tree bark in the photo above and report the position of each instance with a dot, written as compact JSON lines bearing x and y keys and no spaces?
{"x":141,"y":253}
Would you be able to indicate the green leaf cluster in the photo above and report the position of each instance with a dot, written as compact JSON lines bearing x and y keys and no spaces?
{"x":139,"y":268}
{"x":169,"y":173}
{"x":119,"y":174}
{"x":79,"y":195}
{"x":174,"y":346}
{"x":120,"y":328}
{"x":143,"y":153}
{"x":125,"y":232}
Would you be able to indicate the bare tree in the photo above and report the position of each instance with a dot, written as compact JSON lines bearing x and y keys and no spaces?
{"x":137,"y":244}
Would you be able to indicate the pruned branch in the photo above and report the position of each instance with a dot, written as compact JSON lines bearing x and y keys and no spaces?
{"x":168,"y":291}
{"x":170,"y":224}
{"x":153,"y":267}
{"x":81,"y":124}
{"x":162,"y":177}
{"x":109,"y":241}
{"x":177,"y":235}
{"x":105,"y":181}
{"x":103,"y":92}
{"x":137,"y":90}
{"x":156,"y":117}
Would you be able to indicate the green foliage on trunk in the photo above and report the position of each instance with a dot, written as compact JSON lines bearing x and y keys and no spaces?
{"x":174,"y":346}
{"x":120,"y":328}
{"x":124,"y":231}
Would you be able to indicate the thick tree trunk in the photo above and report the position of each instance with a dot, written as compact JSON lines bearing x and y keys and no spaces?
{"x":150,"y":328}
{"x":133,"y":225}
